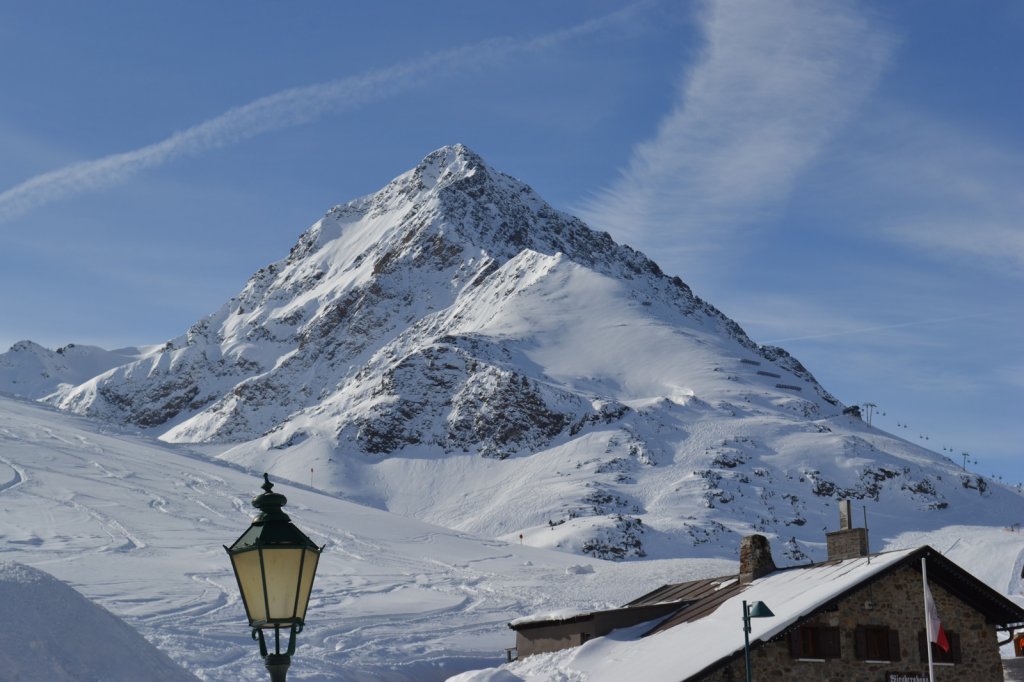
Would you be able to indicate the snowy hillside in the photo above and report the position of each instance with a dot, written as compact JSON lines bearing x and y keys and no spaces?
{"x":137,"y":526}
{"x":52,"y":633}
{"x":454,"y":349}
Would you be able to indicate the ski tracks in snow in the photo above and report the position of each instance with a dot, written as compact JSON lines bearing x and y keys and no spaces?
{"x":138,"y":526}
{"x":16,"y":478}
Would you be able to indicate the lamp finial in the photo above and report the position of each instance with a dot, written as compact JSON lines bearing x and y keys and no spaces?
{"x":270,"y":503}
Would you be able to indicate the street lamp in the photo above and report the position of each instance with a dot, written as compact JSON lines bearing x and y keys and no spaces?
{"x":274,"y":563}
{"x":756,"y":610}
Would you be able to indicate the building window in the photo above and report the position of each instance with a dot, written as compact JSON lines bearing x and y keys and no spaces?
{"x":938,"y":655}
{"x":876,"y":643}
{"x":813,"y":641}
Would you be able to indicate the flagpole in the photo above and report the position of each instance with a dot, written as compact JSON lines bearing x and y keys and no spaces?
{"x":929,"y":635}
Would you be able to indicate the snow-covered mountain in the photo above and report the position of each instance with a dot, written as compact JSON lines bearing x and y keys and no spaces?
{"x":31,"y":371}
{"x":423,"y":270}
{"x":455,"y":349}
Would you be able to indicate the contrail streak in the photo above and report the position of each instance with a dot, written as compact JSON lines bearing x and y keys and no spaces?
{"x":863,"y":330}
{"x":284,"y":109}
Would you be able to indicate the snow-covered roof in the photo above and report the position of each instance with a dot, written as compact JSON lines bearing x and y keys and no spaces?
{"x":707,"y":592}
{"x":681,"y":647}
{"x":553,"y":616}
{"x":789,"y":593}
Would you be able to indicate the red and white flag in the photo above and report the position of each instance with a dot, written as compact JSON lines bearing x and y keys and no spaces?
{"x":935,"y":632}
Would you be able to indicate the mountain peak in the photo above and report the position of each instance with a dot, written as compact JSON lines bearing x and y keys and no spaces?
{"x":456,"y":159}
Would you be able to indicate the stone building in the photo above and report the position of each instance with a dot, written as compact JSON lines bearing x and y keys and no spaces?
{"x":853,"y":617}
{"x":873,"y":629}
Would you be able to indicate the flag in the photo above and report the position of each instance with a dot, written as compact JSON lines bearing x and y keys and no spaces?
{"x":935,"y":632}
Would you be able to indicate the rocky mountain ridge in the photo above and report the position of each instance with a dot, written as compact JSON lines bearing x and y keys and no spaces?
{"x":454,"y":348}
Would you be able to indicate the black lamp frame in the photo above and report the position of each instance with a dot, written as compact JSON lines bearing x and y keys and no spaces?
{"x":272,"y":529}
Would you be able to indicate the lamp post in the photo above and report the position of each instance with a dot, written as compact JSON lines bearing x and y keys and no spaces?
{"x":274,"y":563}
{"x":756,"y":610}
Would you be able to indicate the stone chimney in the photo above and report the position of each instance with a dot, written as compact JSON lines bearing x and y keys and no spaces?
{"x":755,"y":558}
{"x":847,"y":542}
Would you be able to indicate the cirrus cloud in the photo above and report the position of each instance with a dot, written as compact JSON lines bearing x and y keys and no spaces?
{"x":775,"y":83}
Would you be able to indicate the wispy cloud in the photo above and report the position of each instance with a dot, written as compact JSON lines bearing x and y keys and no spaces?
{"x":775,"y":83}
{"x":284,"y":109}
{"x":947,"y":194}
{"x":1012,"y":375}
{"x":779,"y":318}
{"x":861,"y":330}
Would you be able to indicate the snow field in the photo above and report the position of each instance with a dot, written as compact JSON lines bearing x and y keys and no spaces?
{"x":137,"y":526}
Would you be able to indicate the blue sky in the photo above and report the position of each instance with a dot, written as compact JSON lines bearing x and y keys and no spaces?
{"x":844,"y":179}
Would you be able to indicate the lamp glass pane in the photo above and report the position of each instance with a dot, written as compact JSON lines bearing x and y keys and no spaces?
{"x":250,"y":580}
{"x":282,"y":568}
{"x":306,"y":586}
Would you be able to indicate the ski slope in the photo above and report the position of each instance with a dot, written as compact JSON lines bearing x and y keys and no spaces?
{"x":138,"y":527}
